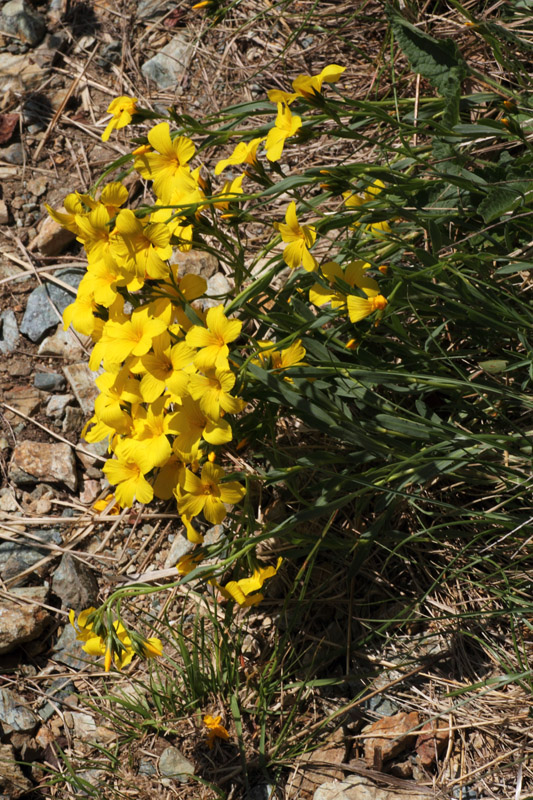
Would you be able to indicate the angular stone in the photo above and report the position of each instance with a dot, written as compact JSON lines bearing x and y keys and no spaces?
{"x":4,"y":213}
{"x":25,"y":399}
{"x":75,"y":583}
{"x":218,"y":288}
{"x":21,"y":20}
{"x":13,"y":154}
{"x":357,"y":787}
{"x":9,"y":331}
{"x":49,"y":381}
{"x":41,"y":315}
{"x":150,"y":9}
{"x":8,"y":501}
{"x":173,"y":764}
{"x":67,"y":650}
{"x":390,"y":736}
{"x":57,"y":405}
{"x":73,"y":421}
{"x":18,"y":556}
{"x":62,"y":343}
{"x":14,"y":713}
{"x":90,"y":491}
{"x":81,"y":380}
{"x":23,"y":621}
{"x":20,"y":367}
{"x":170,"y":64}
{"x":13,"y":783}
{"x":431,"y":741}
{"x":51,"y":239}
{"x":179,"y":548}
{"x":33,"y":462}
{"x":318,"y":766}
{"x":38,"y":186}
{"x":18,"y":73}
{"x":195,"y":262}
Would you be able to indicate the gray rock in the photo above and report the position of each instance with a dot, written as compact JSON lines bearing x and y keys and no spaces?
{"x":81,"y":380}
{"x":179,"y":548}
{"x":19,"y":74}
{"x":8,"y":501}
{"x":52,"y":238}
{"x":40,"y":315}
{"x":170,"y":64}
{"x":22,"y":21}
{"x":146,"y":767}
{"x":13,"y":154}
{"x":38,"y":186}
{"x":75,"y":583}
{"x":57,"y":405}
{"x":195,"y":262}
{"x":73,"y":421}
{"x":218,"y":288}
{"x":62,"y":343}
{"x":382,"y":705}
{"x":22,"y":621}
{"x":34,"y":462}
{"x":13,"y":783}
{"x":173,"y":764}
{"x":150,"y":9}
{"x":58,"y":690}
{"x":357,"y":787}
{"x":16,"y":557}
{"x":110,"y":54}
{"x":68,"y":650}
{"x":9,"y":331}
{"x":14,"y":714}
{"x":49,"y":381}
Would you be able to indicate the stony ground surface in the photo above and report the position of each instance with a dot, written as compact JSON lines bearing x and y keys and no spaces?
{"x":61,"y":62}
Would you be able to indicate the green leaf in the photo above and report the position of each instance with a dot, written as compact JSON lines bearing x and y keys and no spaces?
{"x":494,"y":366}
{"x":437,"y":60}
{"x":500,"y":200}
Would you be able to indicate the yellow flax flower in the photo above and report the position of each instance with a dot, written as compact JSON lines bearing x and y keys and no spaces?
{"x":141,"y":247}
{"x":127,"y":472}
{"x":131,"y":337}
{"x":212,"y":390}
{"x":359,"y":307}
{"x":300,"y":238}
{"x":286,"y":125}
{"x":352,"y":275}
{"x":246,"y":591}
{"x":307,"y":85}
{"x":206,"y":494}
{"x":213,"y":339}
{"x":230,"y":190}
{"x":122,"y":108}
{"x":244,"y":153}
{"x":214,"y":730}
{"x":357,"y":201}
{"x":192,"y":425}
{"x":167,"y":166}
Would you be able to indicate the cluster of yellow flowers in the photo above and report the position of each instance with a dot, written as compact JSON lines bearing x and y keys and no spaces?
{"x":166,"y":374}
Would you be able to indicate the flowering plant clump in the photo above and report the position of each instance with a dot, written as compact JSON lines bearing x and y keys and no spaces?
{"x":175,"y":371}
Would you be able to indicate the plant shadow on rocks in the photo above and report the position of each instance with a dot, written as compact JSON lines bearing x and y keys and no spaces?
{"x":81,"y":19}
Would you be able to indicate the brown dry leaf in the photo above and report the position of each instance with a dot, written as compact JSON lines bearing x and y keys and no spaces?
{"x":8,"y":123}
{"x":173,"y":18}
{"x":391,"y":736}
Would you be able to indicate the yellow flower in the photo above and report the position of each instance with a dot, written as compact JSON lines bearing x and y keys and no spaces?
{"x":192,"y":425}
{"x":300,"y":239}
{"x":206,"y":494}
{"x":231,"y":190}
{"x":152,"y":647}
{"x":215,"y":730}
{"x":213,"y":340}
{"x":307,"y":85}
{"x":212,"y":390}
{"x":244,"y":153}
{"x":127,"y":472}
{"x":285,"y":125}
{"x":246,"y":591}
{"x":141,"y":247}
{"x":189,"y":562}
{"x":168,"y":165}
{"x":356,"y":201}
{"x":101,"y":505}
{"x":352,"y":275}
{"x":359,"y":307}
{"x":131,"y":337}
{"x":123,"y":108}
